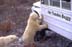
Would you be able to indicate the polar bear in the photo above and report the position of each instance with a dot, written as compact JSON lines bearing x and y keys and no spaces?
{"x":33,"y":25}
{"x":5,"y":40}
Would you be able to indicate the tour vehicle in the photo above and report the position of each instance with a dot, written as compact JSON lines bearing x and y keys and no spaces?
{"x":58,"y":15}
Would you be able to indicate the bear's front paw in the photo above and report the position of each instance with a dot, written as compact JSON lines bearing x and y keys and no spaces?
{"x":46,"y":25}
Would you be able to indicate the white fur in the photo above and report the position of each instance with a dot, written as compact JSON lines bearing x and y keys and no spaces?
{"x":5,"y":40}
{"x":33,"y":25}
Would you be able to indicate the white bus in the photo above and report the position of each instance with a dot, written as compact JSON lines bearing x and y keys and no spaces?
{"x":58,"y":14}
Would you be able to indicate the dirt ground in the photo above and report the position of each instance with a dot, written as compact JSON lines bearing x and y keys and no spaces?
{"x":17,"y":12}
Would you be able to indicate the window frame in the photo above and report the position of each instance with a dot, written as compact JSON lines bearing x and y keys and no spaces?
{"x":71,"y":5}
{"x":60,"y":5}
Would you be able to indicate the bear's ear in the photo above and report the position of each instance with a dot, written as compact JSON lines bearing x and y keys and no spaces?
{"x":12,"y":38}
{"x":33,"y":16}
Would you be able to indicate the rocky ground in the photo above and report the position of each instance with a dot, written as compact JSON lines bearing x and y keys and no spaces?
{"x":17,"y":12}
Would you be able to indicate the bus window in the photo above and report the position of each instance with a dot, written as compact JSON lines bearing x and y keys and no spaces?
{"x":44,"y":2}
{"x":67,"y":0}
{"x":66,"y":4}
{"x":55,"y":3}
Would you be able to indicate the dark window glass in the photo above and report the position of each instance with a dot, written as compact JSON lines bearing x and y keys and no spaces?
{"x":55,"y":3}
{"x":66,"y":4}
{"x":44,"y":2}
